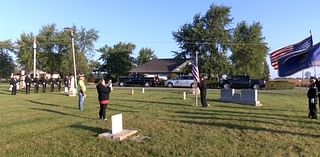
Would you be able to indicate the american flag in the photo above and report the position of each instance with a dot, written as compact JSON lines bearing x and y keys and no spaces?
{"x":276,"y":55}
{"x":195,"y":71}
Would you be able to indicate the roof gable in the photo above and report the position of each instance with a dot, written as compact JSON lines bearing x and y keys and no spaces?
{"x":159,"y":66}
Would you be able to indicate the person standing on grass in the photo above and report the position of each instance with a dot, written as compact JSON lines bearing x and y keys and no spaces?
{"x":36,"y":83}
{"x":318,"y":89}
{"x":28,"y":84}
{"x":82,"y":92}
{"x":43,"y":82}
{"x":312,"y":99}
{"x":13,"y":83}
{"x":103,"y":90}
{"x":59,"y":82}
{"x":203,"y":90}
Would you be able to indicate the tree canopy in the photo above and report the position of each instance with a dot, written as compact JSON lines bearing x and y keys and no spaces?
{"x":54,"y":50}
{"x":145,"y":55}
{"x":209,"y":36}
{"x":6,"y":61}
{"x":117,"y":60}
{"x":249,"y":50}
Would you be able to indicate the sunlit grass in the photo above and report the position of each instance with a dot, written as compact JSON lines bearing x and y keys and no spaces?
{"x":49,"y":124}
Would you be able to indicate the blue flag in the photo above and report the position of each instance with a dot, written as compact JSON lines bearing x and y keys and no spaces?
{"x":299,"y":60}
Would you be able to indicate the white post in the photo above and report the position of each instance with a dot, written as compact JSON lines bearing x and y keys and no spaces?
{"x":34,"y":57}
{"x":74,"y":59}
{"x":142,"y":90}
{"x":184,"y":95}
{"x":132,"y":91}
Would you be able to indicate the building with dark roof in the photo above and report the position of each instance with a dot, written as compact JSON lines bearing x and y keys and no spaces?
{"x":162,"y":67}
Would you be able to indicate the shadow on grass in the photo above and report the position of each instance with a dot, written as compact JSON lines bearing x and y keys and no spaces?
{"x":152,"y":102}
{"x":170,"y":98}
{"x":48,"y":104}
{"x":248,"y":128}
{"x":61,"y":113}
{"x":90,"y":128}
{"x":242,"y":119}
{"x":245,"y":115}
{"x":5,"y":93}
{"x":120,"y":110}
{"x":249,"y":107}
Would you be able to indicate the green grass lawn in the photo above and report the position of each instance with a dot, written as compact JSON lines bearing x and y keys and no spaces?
{"x":49,"y":124}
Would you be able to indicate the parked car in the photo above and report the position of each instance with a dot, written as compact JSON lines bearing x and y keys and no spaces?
{"x":242,"y":81}
{"x":180,"y":81}
{"x":135,"y":79}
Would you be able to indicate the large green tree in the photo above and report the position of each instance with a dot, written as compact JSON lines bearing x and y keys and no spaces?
{"x":249,"y":50}
{"x":117,"y":60}
{"x":54,"y":50}
{"x":145,"y":55}
{"x":209,"y":36}
{"x":6,"y":62}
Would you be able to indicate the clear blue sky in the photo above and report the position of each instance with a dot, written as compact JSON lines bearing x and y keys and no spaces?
{"x":148,"y":23}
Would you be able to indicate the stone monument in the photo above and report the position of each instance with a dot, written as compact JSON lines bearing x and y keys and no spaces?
{"x":72,"y":90}
{"x":244,"y":96}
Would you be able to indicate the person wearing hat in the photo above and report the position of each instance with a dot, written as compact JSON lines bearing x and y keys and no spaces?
{"x":203,"y":90}
{"x":82,"y":92}
{"x":312,"y":99}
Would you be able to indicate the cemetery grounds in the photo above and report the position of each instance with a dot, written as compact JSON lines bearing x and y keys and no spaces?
{"x":49,"y":124}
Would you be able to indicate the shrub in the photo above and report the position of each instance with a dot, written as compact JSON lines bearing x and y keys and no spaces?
{"x":213,"y":84}
{"x":279,"y":85}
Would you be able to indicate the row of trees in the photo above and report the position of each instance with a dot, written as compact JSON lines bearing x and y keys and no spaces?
{"x":209,"y":35}
{"x":54,"y":53}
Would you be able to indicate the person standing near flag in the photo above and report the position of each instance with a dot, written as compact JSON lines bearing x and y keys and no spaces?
{"x":203,"y":90}
{"x":312,"y":99}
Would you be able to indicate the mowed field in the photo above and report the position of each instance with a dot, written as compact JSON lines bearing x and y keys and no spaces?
{"x":49,"y":124}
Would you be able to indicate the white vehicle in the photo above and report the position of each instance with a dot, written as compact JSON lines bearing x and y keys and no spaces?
{"x":180,"y":81}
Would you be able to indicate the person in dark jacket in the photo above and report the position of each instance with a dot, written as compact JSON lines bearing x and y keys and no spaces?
{"x":312,"y":99}
{"x":202,"y":85}
{"x":43,"y":82}
{"x":36,"y":83}
{"x":13,"y":83}
{"x":59,"y":82}
{"x":318,"y":89}
{"x":28,"y":84}
{"x":103,"y":90}
{"x":52,"y":82}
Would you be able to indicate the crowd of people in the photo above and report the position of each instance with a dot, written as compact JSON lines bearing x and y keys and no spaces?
{"x":39,"y":82}
{"x":103,"y":89}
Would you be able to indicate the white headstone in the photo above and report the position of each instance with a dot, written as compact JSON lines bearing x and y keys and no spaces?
{"x":142,"y":90}
{"x":132,"y":91}
{"x":116,"y":121}
{"x":184,"y":95}
{"x":72,"y":90}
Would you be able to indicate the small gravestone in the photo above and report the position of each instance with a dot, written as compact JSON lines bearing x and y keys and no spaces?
{"x":116,"y":123}
{"x":184,"y":95}
{"x":142,"y":90}
{"x":132,"y":91}
{"x":117,"y":133}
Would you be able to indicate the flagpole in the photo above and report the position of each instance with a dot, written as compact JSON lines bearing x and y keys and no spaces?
{"x":196,"y":101}
{"x":34,"y":57}
{"x":314,"y":67}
